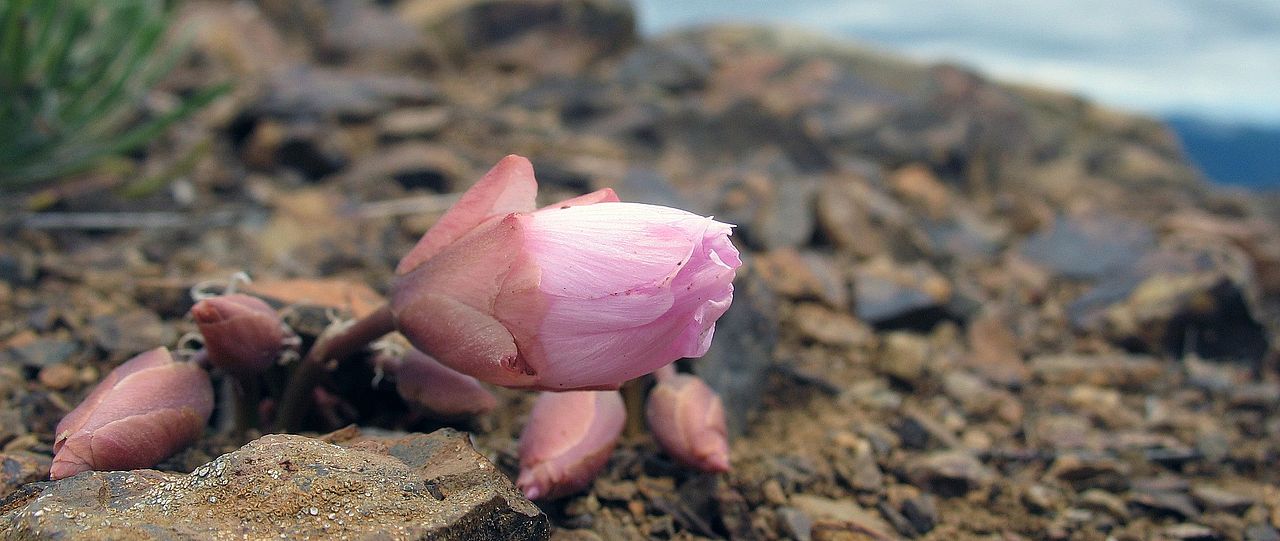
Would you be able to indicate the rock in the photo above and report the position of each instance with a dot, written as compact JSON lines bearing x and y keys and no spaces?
{"x":1190,"y":532}
{"x":1218,"y":499}
{"x":308,"y":92}
{"x":889,"y":296}
{"x":42,"y":352}
{"x":1124,"y":371}
{"x":856,"y":465}
{"x":413,"y":123}
{"x":1193,"y":296}
{"x":840,"y":515}
{"x":739,"y":359}
{"x":18,"y":468}
{"x":979,"y":398}
{"x":416,"y":486}
{"x":1261,"y":532}
{"x":673,"y":67}
{"x":12,"y":425}
{"x":1041,"y":499}
{"x":806,"y":275}
{"x":1103,"y":501}
{"x":795,"y":524}
{"x":905,"y":357}
{"x":238,"y":38}
{"x":771,"y":213}
{"x":845,"y":217}
{"x":1088,"y":247}
{"x":368,"y":35}
{"x":1262,"y":396}
{"x":994,"y":351}
{"x":922,"y":512}
{"x":1165,"y":503}
{"x":949,"y":473}
{"x":1083,"y":472}
{"x":305,"y":146}
{"x":828,"y":327}
{"x":125,"y":334}
{"x":58,"y":376}
{"x":1063,"y":432}
{"x":414,"y":166}
{"x":559,"y":37}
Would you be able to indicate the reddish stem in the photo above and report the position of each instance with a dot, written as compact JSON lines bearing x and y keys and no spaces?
{"x":337,"y":346}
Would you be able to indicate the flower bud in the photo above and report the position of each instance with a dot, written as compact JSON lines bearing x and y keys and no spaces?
{"x":687,"y":419}
{"x":567,"y":441}
{"x":440,"y":390}
{"x":584,"y":294}
{"x":144,"y":411}
{"x":242,"y":334}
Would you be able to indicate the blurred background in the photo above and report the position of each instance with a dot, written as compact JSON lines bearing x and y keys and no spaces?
{"x":1211,"y":69}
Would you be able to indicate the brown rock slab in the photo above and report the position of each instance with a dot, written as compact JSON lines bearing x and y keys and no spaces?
{"x":418,"y":486}
{"x":1125,"y":371}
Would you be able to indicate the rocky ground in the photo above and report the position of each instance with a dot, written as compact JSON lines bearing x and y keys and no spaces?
{"x":971,"y":310}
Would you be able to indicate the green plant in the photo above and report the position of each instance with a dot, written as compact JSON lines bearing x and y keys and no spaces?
{"x":73,"y":74}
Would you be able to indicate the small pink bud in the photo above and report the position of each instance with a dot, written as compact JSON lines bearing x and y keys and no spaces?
{"x":144,"y":411}
{"x":584,"y":294}
{"x":567,"y":441}
{"x":242,"y":334}
{"x":687,"y":419}
{"x":442,"y":391}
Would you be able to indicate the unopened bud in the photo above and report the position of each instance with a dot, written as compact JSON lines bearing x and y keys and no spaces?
{"x":242,"y":334}
{"x":444,"y":392}
{"x":687,"y":419}
{"x":568,"y":440}
{"x":144,"y":411}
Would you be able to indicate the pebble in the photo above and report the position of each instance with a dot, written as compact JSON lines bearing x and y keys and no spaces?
{"x":58,"y":376}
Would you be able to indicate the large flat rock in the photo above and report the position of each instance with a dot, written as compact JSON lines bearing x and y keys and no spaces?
{"x":418,"y":486}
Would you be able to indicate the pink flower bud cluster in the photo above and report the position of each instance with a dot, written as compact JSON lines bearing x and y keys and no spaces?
{"x":572,"y":299}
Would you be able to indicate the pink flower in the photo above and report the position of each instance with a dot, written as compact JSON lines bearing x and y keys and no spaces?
{"x":687,"y":419}
{"x":440,"y":390}
{"x":144,"y":411}
{"x":567,"y":441}
{"x":583,"y":294}
{"x":242,"y":334}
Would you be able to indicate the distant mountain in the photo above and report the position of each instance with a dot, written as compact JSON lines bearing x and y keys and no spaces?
{"x":1236,"y":154}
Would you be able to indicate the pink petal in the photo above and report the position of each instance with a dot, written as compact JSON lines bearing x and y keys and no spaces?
{"x":508,"y":187}
{"x":568,"y":440}
{"x":605,"y":195}
{"x":687,"y":419}
{"x":598,"y":250}
{"x":592,"y":342}
{"x":445,"y":306}
{"x":447,"y":393}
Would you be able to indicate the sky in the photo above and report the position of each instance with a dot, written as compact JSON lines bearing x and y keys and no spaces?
{"x":1218,"y":60}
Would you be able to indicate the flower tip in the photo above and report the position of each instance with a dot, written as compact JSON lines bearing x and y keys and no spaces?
{"x":687,"y":419}
{"x":63,"y":468}
{"x":531,"y":491}
{"x":568,"y":440}
{"x":242,"y":334}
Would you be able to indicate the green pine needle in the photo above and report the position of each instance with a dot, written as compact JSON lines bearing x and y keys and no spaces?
{"x":73,"y":75}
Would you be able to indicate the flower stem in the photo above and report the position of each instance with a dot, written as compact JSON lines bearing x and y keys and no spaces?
{"x":335,"y":346}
